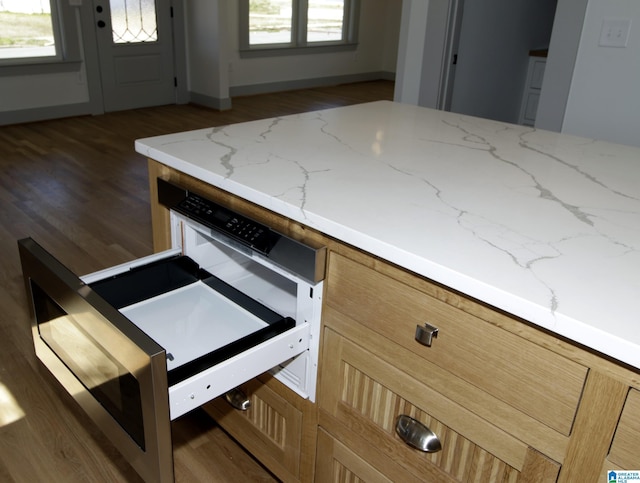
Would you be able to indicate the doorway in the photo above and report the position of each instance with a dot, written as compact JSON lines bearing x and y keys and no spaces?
{"x":135,"y":53}
{"x":496,"y":39}
{"x":488,"y":80}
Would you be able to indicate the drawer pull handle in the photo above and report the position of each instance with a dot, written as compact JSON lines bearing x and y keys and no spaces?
{"x":238,"y":399}
{"x":426,"y":333}
{"x":417,"y":435}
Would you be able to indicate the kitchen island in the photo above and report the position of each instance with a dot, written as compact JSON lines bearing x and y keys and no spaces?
{"x":523,"y":244}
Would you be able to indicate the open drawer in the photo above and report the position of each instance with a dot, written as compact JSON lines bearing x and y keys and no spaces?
{"x":143,"y":343}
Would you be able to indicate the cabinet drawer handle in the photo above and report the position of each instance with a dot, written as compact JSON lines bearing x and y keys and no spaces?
{"x":426,"y":333}
{"x":238,"y":399}
{"x":417,"y":435}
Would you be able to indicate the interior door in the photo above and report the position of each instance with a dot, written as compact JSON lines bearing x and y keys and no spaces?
{"x":135,"y":50}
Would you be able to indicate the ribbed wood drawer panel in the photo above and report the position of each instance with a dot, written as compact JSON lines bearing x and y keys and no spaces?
{"x":362,"y":397}
{"x":338,"y":464}
{"x":271,"y":429}
{"x":534,"y":380}
{"x":625,"y":450}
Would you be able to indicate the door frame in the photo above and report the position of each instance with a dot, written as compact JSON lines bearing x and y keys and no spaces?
{"x":429,"y":34}
{"x":449,"y":57}
{"x":92,"y":61}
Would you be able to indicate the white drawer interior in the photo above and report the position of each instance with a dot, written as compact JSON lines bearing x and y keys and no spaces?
{"x":192,"y":321}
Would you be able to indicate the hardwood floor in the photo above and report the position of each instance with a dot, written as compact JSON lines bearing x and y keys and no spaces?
{"x":77,"y":186}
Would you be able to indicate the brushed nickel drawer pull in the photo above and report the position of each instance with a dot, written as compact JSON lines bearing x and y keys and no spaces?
{"x":238,"y":399}
{"x":426,"y":333}
{"x":417,"y":435}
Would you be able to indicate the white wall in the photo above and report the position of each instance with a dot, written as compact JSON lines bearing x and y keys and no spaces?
{"x":387,"y":30}
{"x":23,"y":89}
{"x":604,"y":98}
{"x":207,"y":46}
{"x":434,"y":52}
{"x":40,"y":91}
{"x":565,"y":40}
{"x":413,"y":28}
{"x":376,"y":52}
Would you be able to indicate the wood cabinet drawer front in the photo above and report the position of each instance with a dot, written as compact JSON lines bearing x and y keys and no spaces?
{"x":271,"y":429}
{"x":338,"y":464}
{"x":361,"y":395}
{"x":535,"y":380}
{"x":625,"y":450}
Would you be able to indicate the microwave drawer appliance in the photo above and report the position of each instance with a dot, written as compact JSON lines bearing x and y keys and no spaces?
{"x":141,"y":344}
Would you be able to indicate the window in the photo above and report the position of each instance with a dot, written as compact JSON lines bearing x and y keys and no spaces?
{"x":290,"y":26}
{"x":133,"y":22}
{"x":27,"y":29}
{"x":39,"y":36}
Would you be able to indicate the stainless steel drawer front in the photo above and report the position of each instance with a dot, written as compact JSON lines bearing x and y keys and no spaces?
{"x":117,"y":369}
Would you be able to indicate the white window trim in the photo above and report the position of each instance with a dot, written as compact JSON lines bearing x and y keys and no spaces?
{"x":299,"y":45}
{"x":65,"y":35}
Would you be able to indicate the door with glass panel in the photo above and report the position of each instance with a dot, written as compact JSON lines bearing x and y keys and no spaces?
{"x":135,"y":47}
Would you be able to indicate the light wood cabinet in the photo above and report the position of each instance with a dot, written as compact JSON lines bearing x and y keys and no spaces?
{"x":509,"y":402}
{"x":625,"y":448}
{"x":373,"y":371}
{"x":360,"y":404}
{"x":279,"y":428}
{"x":336,"y":462}
{"x":485,"y":358}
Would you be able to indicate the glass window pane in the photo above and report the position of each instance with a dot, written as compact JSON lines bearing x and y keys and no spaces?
{"x":133,"y":21}
{"x":324,"y":20}
{"x":26,"y":29}
{"x":270,"y":21}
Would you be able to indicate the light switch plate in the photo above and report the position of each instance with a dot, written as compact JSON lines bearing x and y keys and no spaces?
{"x":615,"y":32}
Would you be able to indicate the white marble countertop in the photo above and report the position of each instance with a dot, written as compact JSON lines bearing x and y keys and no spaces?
{"x":542,"y":225}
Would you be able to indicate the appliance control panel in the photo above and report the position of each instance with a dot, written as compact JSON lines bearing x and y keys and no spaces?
{"x":210,"y":214}
{"x":259,"y":237}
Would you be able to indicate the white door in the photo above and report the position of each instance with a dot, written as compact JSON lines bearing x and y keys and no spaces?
{"x":135,"y":49}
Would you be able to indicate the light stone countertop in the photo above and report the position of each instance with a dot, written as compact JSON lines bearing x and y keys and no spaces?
{"x":542,"y":225}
